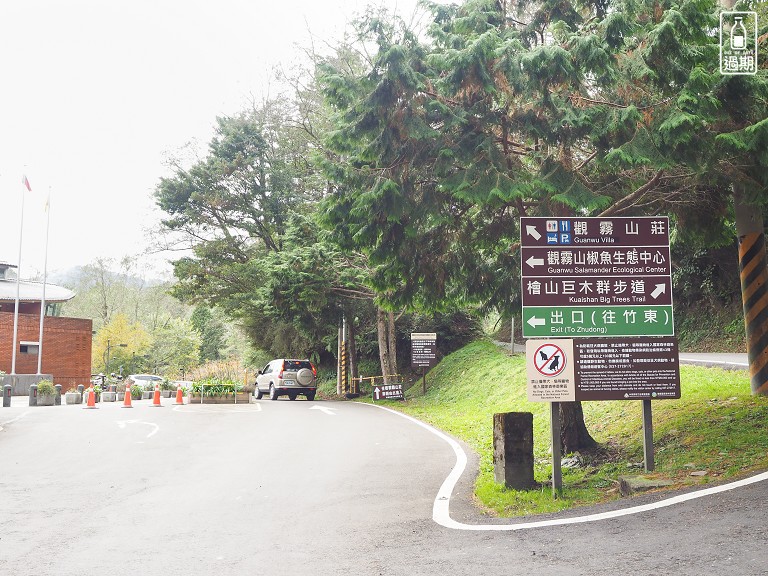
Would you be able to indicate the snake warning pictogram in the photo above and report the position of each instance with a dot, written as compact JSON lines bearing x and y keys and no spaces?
{"x":550,"y":359}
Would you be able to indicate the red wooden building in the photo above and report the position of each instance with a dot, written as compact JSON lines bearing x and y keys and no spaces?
{"x":66,"y":341}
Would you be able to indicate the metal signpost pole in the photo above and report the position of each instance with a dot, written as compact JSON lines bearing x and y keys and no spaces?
{"x":557,"y":473}
{"x":648,"y":436}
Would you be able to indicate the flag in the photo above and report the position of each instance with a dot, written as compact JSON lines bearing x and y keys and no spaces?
{"x":26,"y":183}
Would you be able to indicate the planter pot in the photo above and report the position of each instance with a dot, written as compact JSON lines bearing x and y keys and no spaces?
{"x":73,"y":398}
{"x":46,"y":400}
{"x":147,"y":395}
{"x":120,"y":396}
{"x":242,"y":398}
{"x":109,"y":396}
{"x":168,"y":393}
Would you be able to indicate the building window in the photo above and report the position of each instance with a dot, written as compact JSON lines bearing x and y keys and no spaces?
{"x":29,"y":347}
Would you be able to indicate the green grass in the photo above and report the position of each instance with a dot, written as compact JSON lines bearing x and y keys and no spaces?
{"x":717,"y":426}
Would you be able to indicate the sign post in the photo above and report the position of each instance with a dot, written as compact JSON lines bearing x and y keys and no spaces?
{"x":597,"y":298}
{"x":423,"y":354}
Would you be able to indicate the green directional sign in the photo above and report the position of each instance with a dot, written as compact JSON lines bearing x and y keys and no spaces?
{"x":586,"y":321}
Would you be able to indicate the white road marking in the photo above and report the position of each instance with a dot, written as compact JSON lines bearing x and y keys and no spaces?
{"x":155,"y":428}
{"x":441,"y":514}
{"x":325,"y":409}
{"x":19,"y":417}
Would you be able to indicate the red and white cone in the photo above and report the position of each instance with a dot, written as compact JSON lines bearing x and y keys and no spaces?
{"x":91,"y":403}
{"x":156,"y":400}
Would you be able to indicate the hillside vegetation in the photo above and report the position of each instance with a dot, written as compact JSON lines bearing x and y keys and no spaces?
{"x":717,"y":430}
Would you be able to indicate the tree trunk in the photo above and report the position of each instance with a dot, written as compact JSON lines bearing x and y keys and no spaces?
{"x":754,"y":288}
{"x":574,"y":435}
{"x":392,"y":340}
{"x":385,"y":328}
{"x":354,"y":371}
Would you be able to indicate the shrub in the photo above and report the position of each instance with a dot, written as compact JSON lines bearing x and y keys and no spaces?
{"x":136,"y":391}
{"x":46,"y":388}
{"x":216,"y":387}
{"x":167,"y":385}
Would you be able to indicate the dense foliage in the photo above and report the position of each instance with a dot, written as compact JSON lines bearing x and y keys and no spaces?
{"x":393,"y":184}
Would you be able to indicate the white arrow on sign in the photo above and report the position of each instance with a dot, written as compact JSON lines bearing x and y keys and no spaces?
{"x":531,"y":231}
{"x":533,"y":262}
{"x":325,"y":409}
{"x":533,"y":321}
{"x":659,"y":290}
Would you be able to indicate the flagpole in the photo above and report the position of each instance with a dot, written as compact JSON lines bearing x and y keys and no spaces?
{"x":45,"y":277}
{"x":18,"y":284}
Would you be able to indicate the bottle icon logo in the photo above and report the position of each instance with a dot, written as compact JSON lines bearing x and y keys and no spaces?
{"x":738,"y":34}
{"x":738,"y":43}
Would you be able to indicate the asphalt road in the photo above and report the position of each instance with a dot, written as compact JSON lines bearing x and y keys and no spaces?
{"x":275,"y":488}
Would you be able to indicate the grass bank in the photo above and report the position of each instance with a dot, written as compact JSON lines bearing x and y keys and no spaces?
{"x":716,"y":431}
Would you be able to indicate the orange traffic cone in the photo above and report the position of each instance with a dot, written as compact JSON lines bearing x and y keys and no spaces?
{"x":127,"y":401}
{"x":156,"y":400}
{"x":179,"y":396}
{"x":91,"y":399}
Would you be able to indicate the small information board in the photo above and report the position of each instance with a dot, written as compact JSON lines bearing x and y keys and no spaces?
{"x":388,"y":392}
{"x":423,"y":349}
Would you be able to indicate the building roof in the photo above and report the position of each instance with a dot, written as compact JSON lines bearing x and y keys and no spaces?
{"x":33,"y":292}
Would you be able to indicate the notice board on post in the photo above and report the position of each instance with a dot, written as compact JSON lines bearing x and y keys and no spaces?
{"x":423,"y":349}
{"x":583,"y":369}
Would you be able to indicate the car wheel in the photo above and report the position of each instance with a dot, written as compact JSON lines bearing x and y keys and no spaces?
{"x":310,"y":395}
{"x":258,"y":393}
{"x":273,"y":395}
{"x":292,"y":395}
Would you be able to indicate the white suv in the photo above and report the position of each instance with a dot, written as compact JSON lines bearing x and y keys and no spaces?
{"x":289,"y":377}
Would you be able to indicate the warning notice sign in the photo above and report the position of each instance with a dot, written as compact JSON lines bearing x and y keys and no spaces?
{"x":626,"y":368}
{"x":563,"y":370}
{"x":550,"y":370}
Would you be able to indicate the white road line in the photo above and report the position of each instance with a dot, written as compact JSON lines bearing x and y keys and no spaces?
{"x":441,"y":514}
{"x":19,"y":417}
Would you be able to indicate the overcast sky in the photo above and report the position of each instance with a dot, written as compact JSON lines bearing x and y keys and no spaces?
{"x":98,"y":94}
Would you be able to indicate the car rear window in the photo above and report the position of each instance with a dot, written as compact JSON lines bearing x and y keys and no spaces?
{"x":295,"y":365}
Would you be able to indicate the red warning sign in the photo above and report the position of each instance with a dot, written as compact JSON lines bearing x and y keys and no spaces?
{"x":550,"y":359}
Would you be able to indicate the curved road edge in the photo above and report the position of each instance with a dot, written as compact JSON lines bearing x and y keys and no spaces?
{"x":441,"y":507}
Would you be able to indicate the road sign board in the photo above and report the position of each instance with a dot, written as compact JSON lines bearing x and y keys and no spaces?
{"x":596,"y":277}
{"x":388,"y":392}
{"x":602,"y":369}
{"x":423,"y":349}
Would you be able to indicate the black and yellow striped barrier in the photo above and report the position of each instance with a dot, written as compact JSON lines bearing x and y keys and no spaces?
{"x":754,"y":291}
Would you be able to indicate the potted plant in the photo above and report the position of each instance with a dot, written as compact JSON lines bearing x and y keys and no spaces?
{"x":121,"y":390}
{"x":167,"y":389}
{"x":72,"y":396}
{"x":149,"y":392}
{"x":136,"y":392}
{"x":46,"y":393}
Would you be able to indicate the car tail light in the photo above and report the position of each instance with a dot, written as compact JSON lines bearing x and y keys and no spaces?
{"x":314,"y":370}
{"x":282,"y":368}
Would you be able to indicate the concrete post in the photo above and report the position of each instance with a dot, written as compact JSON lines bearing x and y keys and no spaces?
{"x":513,"y":450}
{"x":33,"y":395}
{"x":57,"y":399}
{"x":7,"y":393}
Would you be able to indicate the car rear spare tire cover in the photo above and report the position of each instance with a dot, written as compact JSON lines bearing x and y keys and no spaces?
{"x":304,"y":376}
